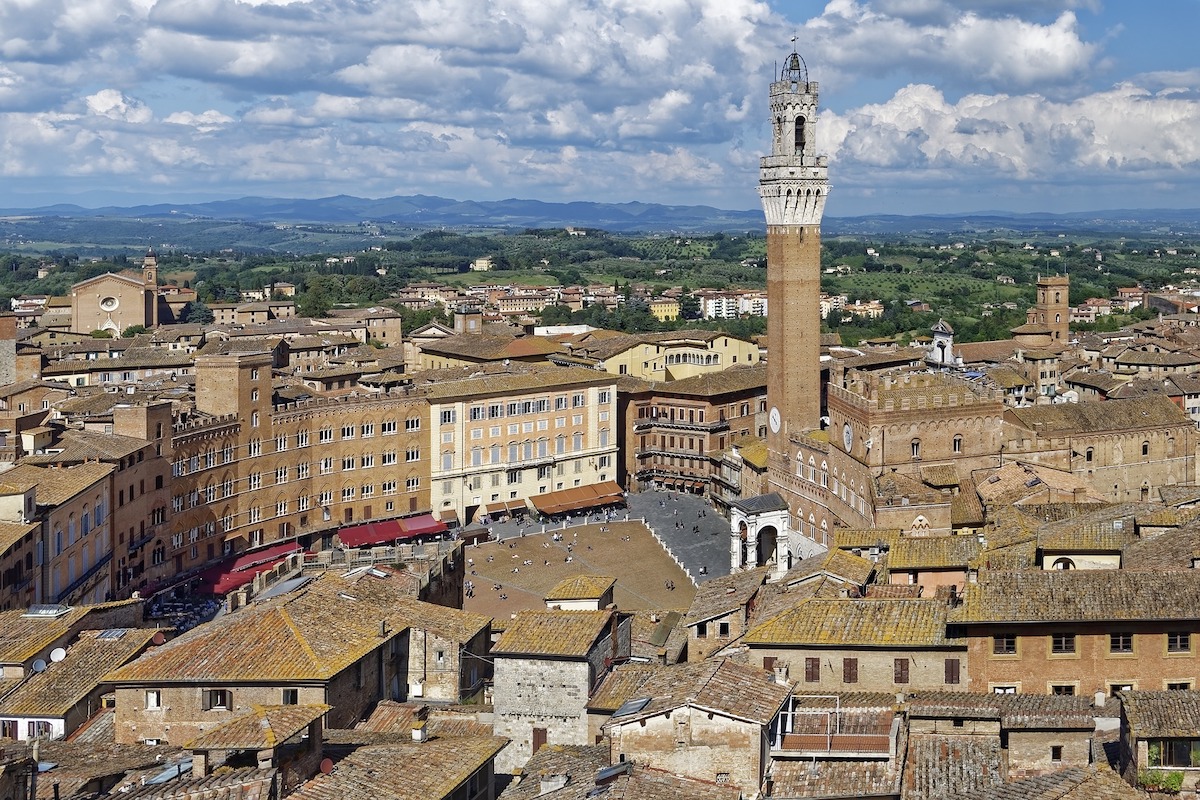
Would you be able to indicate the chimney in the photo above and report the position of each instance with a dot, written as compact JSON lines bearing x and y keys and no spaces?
{"x":420,"y":722}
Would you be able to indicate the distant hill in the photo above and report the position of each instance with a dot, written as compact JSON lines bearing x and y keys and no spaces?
{"x":310,"y":225}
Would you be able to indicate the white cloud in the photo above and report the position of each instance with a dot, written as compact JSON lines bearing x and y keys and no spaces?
{"x":1003,"y":53}
{"x":1123,"y":131}
{"x":205,"y":121}
{"x":113,"y":104}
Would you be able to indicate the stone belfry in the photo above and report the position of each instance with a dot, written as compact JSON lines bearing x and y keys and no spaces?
{"x":793,"y":183}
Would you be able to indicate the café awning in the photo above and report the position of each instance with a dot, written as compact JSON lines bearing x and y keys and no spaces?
{"x":578,"y":498}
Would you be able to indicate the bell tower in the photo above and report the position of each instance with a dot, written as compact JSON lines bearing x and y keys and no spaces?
{"x":793,"y":183}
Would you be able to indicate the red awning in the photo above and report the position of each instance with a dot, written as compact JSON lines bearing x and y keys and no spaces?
{"x":371,"y":533}
{"x":228,"y":575}
{"x":422,"y":525}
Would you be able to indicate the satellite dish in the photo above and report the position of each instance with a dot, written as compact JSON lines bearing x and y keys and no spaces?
{"x":57,"y":654}
{"x":326,"y":766}
{"x":39,"y":665}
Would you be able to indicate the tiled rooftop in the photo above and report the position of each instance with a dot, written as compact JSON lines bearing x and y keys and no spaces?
{"x":581,"y":587}
{"x":1163,"y":714}
{"x":720,"y":685}
{"x":565,"y":634}
{"x":856,"y":623}
{"x":57,"y":486}
{"x":933,"y":552}
{"x":54,"y":692}
{"x":727,"y":593}
{"x":1073,"y":783}
{"x":1094,"y":417}
{"x":943,"y":766}
{"x":260,"y":728}
{"x":1080,"y":596}
{"x":432,"y":770}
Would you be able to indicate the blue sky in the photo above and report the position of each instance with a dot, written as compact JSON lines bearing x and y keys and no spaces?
{"x":929,"y":105}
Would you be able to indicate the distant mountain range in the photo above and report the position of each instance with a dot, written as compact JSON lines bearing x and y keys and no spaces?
{"x":425,"y":211}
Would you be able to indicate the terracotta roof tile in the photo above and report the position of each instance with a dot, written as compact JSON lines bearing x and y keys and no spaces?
{"x":1073,"y":783}
{"x":835,"y":779}
{"x":940,"y":766}
{"x":581,"y":587}
{"x":260,"y":728}
{"x":1080,"y":596}
{"x":1094,"y":417}
{"x":718,"y":685}
{"x":1167,"y":714}
{"x":568,"y":634}
{"x":432,"y":770}
{"x":727,"y":593}
{"x":65,"y":683}
{"x":933,"y":552}
{"x":857,"y":623}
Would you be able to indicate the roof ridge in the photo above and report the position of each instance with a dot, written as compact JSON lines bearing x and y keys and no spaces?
{"x":300,"y":637}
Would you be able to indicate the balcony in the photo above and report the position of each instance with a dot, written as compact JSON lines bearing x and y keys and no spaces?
{"x":665,"y":423}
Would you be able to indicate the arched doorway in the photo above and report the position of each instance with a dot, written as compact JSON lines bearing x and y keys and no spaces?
{"x":768,"y":538}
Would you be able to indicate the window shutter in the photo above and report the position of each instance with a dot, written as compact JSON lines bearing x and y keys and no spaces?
{"x":812,"y":670}
{"x":849,"y":670}
{"x":952,"y":671}
{"x":769,"y":663}
{"x":206,"y":699}
{"x":900,"y":670}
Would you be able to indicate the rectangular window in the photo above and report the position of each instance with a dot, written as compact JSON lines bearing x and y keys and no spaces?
{"x":368,"y":430}
{"x":1063,"y":689}
{"x":216,"y":699}
{"x":1062,"y":643}
{"x":477,"y":413}
{"x":1120,"y":643}
{"x":953,"y":671}
{"x":1179,"y":642}
{"x":412,"y":454}
{"x":412,"y":424}
{"x":388,"y":459}
{"x":900,"y":670}
{"x":412,"y":484}
{"x":281,"y":474}
{"x":449,"y":416}
{"x":325,"y":435}
{"x":302,"y":439}
{"x":388,"y":487}
{"x":812,"y":670}
{"x":291,"y":697}
{"x":1056,"y":752}
{"x":367,"y":461}
{"x":849,"y":670}
{"x":326,"y":465}
{"x":347,"y":431}
{"x":347,"y":492}
{"x":153,"y":699}
{"x":302,"y":470}
{"x":1004,"y":644}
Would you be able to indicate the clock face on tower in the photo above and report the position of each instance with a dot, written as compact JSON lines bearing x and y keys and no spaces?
{"x":847,"y":436}
{"x":774,"y":419}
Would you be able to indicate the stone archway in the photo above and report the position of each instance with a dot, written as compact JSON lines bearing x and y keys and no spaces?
{"x":768,"y":540}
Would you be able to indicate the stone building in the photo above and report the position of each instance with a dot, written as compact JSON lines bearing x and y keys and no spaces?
{"x":852,"y":644}
{"x":1080,"y":631}
{"x":674,"y":432}
{"x":1126,"y":449}
{"x":707,"y":720}
{"x":547,"y":664}
{"x":505,"y":433}
{"x":74,"y":549}
{"x":338,"y":641}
